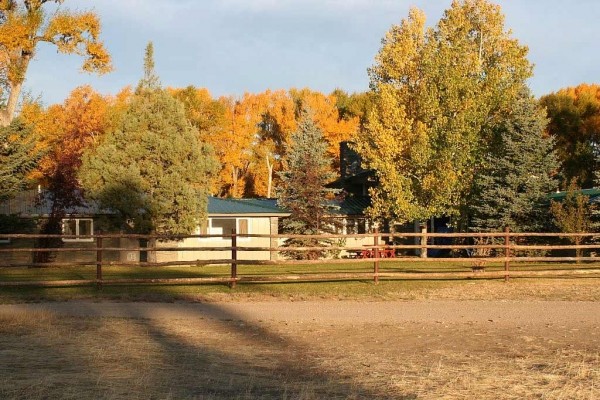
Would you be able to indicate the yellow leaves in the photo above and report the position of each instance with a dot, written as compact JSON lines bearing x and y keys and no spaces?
{"x":25,"y":24}
{"x":78,"y":33}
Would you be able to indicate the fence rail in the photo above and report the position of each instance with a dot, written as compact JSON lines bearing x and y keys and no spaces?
{"x":482,"y":254}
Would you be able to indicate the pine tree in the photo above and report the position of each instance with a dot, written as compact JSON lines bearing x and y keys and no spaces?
{"x":512,"y":187}
{"x":17,"y":157}
{"x":151,"y":169}
{"x":303,"y":192}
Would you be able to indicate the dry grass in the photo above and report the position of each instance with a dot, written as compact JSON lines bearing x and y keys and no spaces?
{"x":50,"y":357}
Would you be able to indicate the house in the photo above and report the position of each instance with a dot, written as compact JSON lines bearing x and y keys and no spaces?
{"x":247,"y":216}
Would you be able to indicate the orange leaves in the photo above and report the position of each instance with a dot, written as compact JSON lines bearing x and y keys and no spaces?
{"x":25,"y":25}
{"x":326,"y":116}
{"x":67,"y":130}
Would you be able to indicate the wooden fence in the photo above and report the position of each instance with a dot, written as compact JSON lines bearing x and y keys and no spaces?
{"x":497,"y":255}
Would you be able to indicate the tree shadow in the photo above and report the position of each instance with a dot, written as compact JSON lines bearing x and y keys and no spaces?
{"x":255,"y":362}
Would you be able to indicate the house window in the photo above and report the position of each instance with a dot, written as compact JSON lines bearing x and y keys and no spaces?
{"x":356,"y":226}
{"x":224,"y":226}
{"x":78,"y":227}
{"x":4,"y":240}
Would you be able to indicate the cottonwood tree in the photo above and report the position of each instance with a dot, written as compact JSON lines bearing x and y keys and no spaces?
{"x":511,"y":188}
{"x":151,"y":168}
{"x":437,"y":92}
{"x":24,"y":25}
{"x":303,"y":192}
{"x":575,"y":126}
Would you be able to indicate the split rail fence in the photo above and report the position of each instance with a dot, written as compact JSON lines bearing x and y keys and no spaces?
{"x":498,"y":255}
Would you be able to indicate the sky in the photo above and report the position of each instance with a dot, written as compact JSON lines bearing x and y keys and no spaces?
{"x":234,"y":46}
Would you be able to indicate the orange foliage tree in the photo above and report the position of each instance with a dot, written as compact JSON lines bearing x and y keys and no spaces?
{"x":24,"y":24}
{"x":278,"y":121}
{"x":234,"y":143}
{"x":574,"y":115}
{"x":64,"y":131}
{"x":327,"y":118}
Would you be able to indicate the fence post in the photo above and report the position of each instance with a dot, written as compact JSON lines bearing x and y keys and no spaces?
{"x":506,"y":252}
{"x":423,"y":241}
{"x":99,"y":262}
{"x":233,"y":258}
{"x":376,"y":255}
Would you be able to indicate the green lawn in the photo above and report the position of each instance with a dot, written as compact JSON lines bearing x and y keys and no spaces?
{"x":296,"y":287}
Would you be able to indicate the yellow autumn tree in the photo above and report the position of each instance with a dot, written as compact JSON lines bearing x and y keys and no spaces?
{"x":277,"y":122}
{"x":24,"y":24}
{"x":233,"y":144}
{"x":437,"y":94}
{"x":574,"y":114}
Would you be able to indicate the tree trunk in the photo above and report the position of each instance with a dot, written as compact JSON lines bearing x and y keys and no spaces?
{"x":7,"y":114}
{"x":234,"y":180}
{"x":270,"y":177}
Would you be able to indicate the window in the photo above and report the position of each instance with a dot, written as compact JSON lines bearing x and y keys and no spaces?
{"x":78,"y":227}
{"x":356,"y":225}
{"x":224,"y":226}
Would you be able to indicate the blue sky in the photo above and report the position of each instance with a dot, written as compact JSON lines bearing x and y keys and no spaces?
{"x":232,"y":46}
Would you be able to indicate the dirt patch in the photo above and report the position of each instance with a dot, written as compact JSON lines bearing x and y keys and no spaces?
{"x":301,"y":350}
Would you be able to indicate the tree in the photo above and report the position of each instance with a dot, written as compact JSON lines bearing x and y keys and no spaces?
{"x":511,"y":189}
{"x":234,"y":143}
{"x":575,"y":125}
{"x":24,"y":24}
{"x":277,"y":123}
{"x":327,"y":118}
{"x":573,"y":215}
{"x":151,"y":169}
{"x":437,"y":92}
{"x":303,"y":192}
{"x":17,"y":157}
{"x":205,"y":113}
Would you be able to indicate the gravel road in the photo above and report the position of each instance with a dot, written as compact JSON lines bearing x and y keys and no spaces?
{"x":338,"y":312}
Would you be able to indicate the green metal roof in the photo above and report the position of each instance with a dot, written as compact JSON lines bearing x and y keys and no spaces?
{"x":353,"y":205}
{"x":592,"y":193}
{"x":218,"y":206}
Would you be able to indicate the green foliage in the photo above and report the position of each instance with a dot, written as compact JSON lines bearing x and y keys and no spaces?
{"x":18,"y":157}
{"x":353,"y":105}
{"x":205,"y":114}
{"x":150,"y":81}
{"x":437,"y":93}
{"x":152,"y":169}
{"x":573,"y":215}
{"x":512,"y":187}
{"x":302,"y":191}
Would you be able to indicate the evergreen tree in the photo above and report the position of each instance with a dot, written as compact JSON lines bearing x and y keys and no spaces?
{"x":152,"y":169}
{"x":303,"y":192}
{"x":17,"y":157}
{"x":512,"y":188}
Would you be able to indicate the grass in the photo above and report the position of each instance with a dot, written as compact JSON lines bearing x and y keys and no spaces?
{"x":50,"y":357}
{"x":581,"y":288}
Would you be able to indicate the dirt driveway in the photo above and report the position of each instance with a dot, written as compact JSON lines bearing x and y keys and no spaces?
{"x":346,"y":312}
{"x":426,"y":349}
